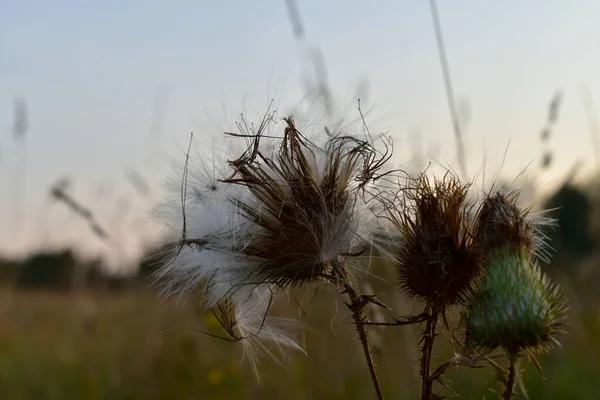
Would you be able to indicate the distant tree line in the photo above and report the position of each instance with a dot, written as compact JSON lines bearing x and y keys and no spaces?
{"x":574,"y":238}
{"x":63,"y":271}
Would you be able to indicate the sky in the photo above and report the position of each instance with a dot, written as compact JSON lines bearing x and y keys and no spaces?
{"x":111,"y":86}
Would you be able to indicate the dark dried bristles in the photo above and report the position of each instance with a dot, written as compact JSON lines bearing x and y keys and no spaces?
{"x":303,"y":204}
{"x":436,"y":260}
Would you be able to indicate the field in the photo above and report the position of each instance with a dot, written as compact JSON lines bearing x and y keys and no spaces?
{"x":92,"y":345}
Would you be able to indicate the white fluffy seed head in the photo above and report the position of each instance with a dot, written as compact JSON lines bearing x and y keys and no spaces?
{"x":285,"y":206}
{"x":199,"y":200}
{"x":260,"y":333}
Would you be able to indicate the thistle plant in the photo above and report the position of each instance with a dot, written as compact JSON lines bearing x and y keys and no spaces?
{"x":284,"y":214}
{"x":434,"y":255}
{"x":513,"y":305}
{"x":450,"y":252}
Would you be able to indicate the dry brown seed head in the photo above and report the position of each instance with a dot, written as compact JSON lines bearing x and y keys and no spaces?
{"x":303,"y":205}
{"x":436,"y":259}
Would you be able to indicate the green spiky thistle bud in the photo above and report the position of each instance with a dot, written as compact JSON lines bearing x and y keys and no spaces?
{"x":514,"y":306}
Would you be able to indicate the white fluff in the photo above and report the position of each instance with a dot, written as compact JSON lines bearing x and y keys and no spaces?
{"x":211,"y":251}
{"x":210,"y":214}
{"x":261,"y":333}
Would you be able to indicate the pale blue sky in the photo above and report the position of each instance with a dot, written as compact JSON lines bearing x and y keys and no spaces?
{"x":89,"y":71}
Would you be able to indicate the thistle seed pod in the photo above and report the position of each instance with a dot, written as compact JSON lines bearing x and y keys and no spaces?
{"x":435,"y":257}
{"x":513,"y":306}
{"x":281,"y":214}
{"x":303,"y":210}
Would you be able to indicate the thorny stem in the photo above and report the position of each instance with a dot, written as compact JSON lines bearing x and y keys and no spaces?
{"x":402,"y":322}
{"x":510,"y":379}
{"x":427,"y":351}
{"x":357,"y":305}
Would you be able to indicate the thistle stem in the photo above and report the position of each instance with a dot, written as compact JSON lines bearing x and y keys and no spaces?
{"x":510,"y":379}
{"x":357,"y":305}
{"x":427,"y":352}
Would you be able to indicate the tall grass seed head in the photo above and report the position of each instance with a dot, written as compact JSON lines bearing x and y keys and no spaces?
{"x":513,"y":306}
{"x":435,"y":257}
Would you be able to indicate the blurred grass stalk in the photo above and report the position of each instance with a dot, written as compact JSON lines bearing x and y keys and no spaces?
{"x":19,"y":130}
{"x":456,"y":125}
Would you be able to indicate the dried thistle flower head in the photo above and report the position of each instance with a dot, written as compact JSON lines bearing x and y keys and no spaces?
{"x":513,"y":306}
{"x":282,"y":213}
{"x":435,"y":257}
{"x":304,"y":206}
{"x":502,"y":224}
{"x":245,"y":319}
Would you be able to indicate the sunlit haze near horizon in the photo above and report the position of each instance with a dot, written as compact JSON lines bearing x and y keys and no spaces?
{"x":113,"y":87}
